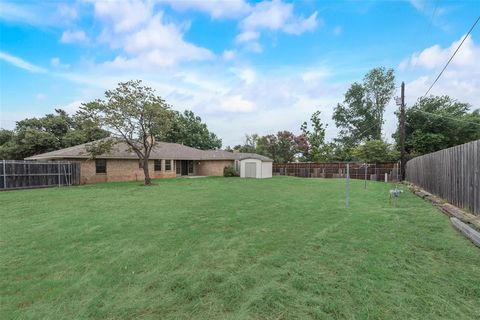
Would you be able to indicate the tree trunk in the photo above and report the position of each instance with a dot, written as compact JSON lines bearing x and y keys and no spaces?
{"x":148,"y":181}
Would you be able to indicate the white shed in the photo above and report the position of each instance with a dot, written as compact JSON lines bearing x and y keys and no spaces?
{"x":255,"y":166}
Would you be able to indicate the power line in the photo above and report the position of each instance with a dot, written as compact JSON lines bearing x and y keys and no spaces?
{"x":429,"y":29}
{"x":453,"y":55}
{"x":440,"y":116}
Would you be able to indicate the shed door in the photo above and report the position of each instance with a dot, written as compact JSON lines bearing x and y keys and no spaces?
{"x":250,"y":170}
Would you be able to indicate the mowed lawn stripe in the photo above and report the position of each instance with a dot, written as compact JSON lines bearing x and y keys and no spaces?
{"x":230,"y":248}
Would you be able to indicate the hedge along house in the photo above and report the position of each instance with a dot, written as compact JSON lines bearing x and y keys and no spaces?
{"x":167,"y":160}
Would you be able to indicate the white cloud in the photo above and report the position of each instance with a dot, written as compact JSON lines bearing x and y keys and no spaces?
{"x":40,"y":13}
{"x":123,"y":15}
{"x":247,"y":75}
{"x":69,"y":36}
{"x":254,"y":47}
{"x":72,"y":107}
{"x":277,"y":15}
{"x":55,"y":61}
{"x":67,"y":12}
{"x":273,"y":15}
{"x":229,"y":55}
{"x":20,"y":63}
{"x":146,"y":38}
{"x":11,"y":11}
{"x":337,"y":30}
{"x":436,"y":57}
{"x":247,"y":35}
{"x":217,"y":9}
{"x":232,"y":101}
{"x":418,"y":4}
{"x":158,"y":45}
{"x":40,"y":96}
{"x":461,"y":79}
{"x":433,"y":12}
{"x":236,"y":103}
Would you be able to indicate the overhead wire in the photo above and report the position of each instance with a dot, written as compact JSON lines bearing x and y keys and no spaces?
{"x":453,"y":55}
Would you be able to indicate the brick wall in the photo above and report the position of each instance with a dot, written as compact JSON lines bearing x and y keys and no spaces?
{"x":211,"y":167}
{"x":122,"y":170}
{"x":128,"y":170}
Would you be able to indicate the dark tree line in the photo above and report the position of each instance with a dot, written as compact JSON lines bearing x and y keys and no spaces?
{"x":51,"y":132}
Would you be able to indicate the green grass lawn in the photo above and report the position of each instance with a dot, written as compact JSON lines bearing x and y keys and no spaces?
{"x":230,"y":248}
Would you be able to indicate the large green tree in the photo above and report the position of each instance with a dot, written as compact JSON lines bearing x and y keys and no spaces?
{"x":52,"y":132}
{"x":281,"y":147}
{"x":188,"y":129}
{"x":315,"y":136}
{"x":374,"y":151}
{"x":360,"y":117}
{"x":134,"y":114}
{"x":249,"y":144}
{"x":439,"y":122}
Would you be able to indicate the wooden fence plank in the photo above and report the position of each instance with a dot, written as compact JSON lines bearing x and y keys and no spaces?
{"x":452,"y":174}
{"x":16,"y":174}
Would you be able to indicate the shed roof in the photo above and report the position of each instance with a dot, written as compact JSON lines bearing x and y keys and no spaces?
{"x":161,"y":150}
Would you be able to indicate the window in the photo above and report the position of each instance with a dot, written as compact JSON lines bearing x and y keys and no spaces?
{"x":190,"y":167}
{"x":168,"y":165}
{"x":140,"y":164}
{"x":100,"y":166}
{"x":157,"y":165}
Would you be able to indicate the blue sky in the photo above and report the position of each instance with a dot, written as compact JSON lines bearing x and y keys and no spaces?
{"x":244,"y":67}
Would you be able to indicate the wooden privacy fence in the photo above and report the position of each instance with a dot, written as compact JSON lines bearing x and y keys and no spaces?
{"x":15,"y":174}
{"x":372,"y":171}
{"x":452,"y":174}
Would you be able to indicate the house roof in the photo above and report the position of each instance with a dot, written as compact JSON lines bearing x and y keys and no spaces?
{"x":161,"y":150}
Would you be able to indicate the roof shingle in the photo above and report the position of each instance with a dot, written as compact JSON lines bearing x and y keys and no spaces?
{"x":161,"y":150}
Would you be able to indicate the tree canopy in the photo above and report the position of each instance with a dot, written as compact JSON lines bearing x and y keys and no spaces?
{"x":360,"y":117}
{"x":374,"y":151}
{"x":188,"y":129}
{"x":281,"y":147}
{"x":134,"y":114}
{"x":317,"y":148}
{"x":52,"y":132}
{"x":436,"y":123}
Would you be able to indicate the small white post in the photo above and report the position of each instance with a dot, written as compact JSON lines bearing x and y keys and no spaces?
{"x":386,"y":177}
{"x":348,"y":185}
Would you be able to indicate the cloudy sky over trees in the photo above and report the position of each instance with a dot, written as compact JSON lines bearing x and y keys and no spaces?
{"x":242,"y":66}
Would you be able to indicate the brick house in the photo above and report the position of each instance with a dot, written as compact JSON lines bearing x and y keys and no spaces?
{"x":167,"y":160}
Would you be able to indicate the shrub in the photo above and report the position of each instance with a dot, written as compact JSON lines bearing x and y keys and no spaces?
{"x":229,"y":171}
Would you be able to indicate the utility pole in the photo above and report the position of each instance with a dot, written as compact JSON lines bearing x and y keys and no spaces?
{"x":402,"y":132}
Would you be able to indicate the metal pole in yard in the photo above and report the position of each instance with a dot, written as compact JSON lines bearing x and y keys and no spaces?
{"x":348,"y":185}
{"x":365,"y":175}
{"x":59,"y":174}
{"x":4,"y":176}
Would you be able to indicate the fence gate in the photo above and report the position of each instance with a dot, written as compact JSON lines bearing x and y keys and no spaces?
{"x":17,"y":174}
